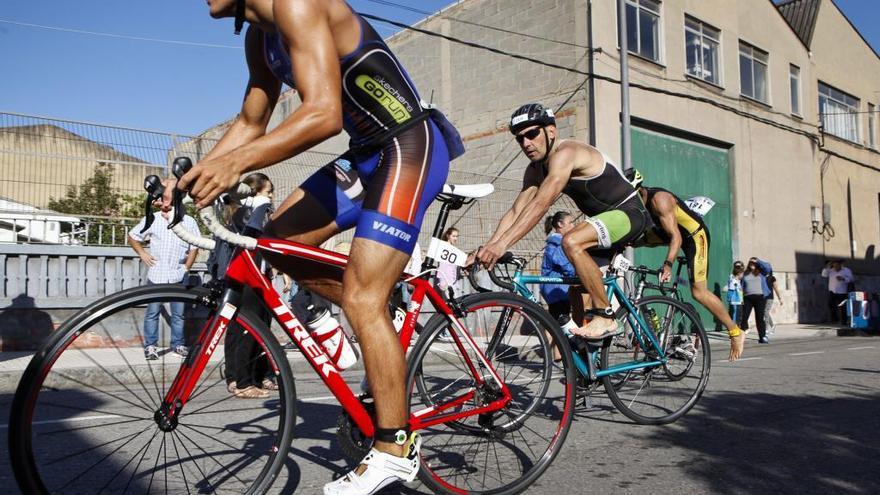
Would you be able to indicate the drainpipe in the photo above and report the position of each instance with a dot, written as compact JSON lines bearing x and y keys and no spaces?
{"x":591,"y":87}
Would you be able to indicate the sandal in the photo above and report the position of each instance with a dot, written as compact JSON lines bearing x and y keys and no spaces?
{"x":251,"y":392}
{"x":230,"y":387}
{"x":268,"y":384}
{"x":611,"y":331}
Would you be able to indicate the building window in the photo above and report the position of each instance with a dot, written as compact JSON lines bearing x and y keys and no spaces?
{"x":838,"y":113}
{"x":794,"y":80}
{"x":643,"y":28}
{"x":701,"y":45}
{"x":872,"y":126}
{"x":753,"y":72}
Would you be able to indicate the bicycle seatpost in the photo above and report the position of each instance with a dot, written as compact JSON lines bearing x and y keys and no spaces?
{"x":179,"y":168}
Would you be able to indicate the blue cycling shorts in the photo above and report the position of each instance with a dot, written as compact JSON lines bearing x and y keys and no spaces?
{"x":385,"y":195}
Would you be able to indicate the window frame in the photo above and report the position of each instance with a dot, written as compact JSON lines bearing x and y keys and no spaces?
{"x":851,"y":107}
{"x":753,"y":60}
{"x":795,"y":96}
{"x":637,"y":26}
{"x":719,"y":52}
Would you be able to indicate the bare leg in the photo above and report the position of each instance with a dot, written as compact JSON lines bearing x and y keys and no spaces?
{"x":575,"y":244}
{"x":301,"y":218}
{"x":710,"y":301}
{"x":580,"y":301}
{"x":372,"y":272}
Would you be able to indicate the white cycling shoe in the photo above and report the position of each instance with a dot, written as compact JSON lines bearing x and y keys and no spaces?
{"x":381,"y":470}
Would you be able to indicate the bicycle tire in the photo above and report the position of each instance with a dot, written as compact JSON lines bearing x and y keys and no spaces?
{"x":48,"y":379}
{"x":650,"y":395}
{"x":544,"y":410}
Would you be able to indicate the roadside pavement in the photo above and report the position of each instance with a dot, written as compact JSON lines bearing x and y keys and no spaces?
{"x":87,"y":366}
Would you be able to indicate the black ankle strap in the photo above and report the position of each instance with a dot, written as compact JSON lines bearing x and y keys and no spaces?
{"x":603,"y":312}
{"x":392,"y":435}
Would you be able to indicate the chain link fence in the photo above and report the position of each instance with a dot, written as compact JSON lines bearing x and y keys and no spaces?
{"x":43,"y":160}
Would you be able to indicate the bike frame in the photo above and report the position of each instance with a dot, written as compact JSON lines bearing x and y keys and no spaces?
{"x":244,"y":271}
{"x":643,"y":332}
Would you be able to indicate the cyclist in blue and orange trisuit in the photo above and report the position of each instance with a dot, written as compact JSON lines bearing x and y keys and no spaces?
{"x":347,"y":79}
{"x":679,"y":227}
{"x":615,"y":214}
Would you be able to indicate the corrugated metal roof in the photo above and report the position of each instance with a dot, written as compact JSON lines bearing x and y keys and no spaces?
{"x":801,"y":16}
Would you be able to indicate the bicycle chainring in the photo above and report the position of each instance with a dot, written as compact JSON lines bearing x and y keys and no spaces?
{"x":354,"y":444}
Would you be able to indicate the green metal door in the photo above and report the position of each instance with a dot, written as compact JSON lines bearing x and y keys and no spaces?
{"x":690,"y":169}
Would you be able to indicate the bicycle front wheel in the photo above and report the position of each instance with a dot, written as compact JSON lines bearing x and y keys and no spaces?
{"x":504,"y":451}
{"x":84,"y":417}
{"x":658,"y":394}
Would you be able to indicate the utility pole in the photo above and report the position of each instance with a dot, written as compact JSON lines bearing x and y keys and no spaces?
{"x":625,"y":145}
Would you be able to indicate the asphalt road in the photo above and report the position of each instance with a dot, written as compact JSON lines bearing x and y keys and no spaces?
{"x":795,"y":416}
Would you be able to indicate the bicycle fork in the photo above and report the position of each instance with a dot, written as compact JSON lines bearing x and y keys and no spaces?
{"x":197,"y":359}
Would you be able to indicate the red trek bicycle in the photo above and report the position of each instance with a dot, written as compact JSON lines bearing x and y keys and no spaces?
{"x":90,"y":416}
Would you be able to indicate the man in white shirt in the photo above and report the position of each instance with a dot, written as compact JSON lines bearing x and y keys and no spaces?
{"x":839,"y":277}
{"x":169,"y":259}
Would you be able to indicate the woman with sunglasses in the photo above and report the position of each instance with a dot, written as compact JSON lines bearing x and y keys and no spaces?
{"x":615,"y":213}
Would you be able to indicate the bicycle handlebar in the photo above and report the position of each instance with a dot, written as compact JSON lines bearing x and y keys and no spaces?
{"x":506,"y":259}
{"x":209,"y":218}
{"x":647,"y":271}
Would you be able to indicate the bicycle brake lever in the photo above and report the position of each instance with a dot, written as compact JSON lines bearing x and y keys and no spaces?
{"x":179,"y":168}
{"x":155,"y":190}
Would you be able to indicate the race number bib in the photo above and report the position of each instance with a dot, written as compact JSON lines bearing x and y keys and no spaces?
{"x":621,"y":263}
{"x":700,"y":205}
{"x":444,"y":251}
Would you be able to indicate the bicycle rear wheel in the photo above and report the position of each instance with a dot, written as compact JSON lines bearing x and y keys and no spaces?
{"x":83,"y":417}
{"x":506,"y":451}
{"x":658,"y":394}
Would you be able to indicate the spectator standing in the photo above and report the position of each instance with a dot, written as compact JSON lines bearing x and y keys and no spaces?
{"x":556,"y":264}
{"x":448,"y":276}
{"x":771,"y":303}
{"x":246,"y":370}
{"x":169,"y":259}
{"x":448,"y":273}
{"x":735,"y":291}
{"x":840,"y":280}
{"x":755,"y":292}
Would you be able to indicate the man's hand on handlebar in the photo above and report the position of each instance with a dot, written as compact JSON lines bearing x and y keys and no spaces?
{"x":665,"y":274}
{"x":209,"y":179}
{"x":489,"y":254}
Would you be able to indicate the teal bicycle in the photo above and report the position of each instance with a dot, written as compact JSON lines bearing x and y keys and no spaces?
{"x":654,"y":371}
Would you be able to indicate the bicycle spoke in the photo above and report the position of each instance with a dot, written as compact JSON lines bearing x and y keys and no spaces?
{"x":96,"y":389}
{"x":132,"y":437}
{"x":130,"y":367}
{"x":76,"y":408}
{"x":133,"y":473}
{"x":195,"y":462}
{"x":179,"y":462}
{"x":146,"y":407}
{"x":123,"y":467}
{"x":219,"y":464}
{"x":102,"y":425}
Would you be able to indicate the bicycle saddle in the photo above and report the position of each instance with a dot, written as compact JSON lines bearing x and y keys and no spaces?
{"x":469,"y":190}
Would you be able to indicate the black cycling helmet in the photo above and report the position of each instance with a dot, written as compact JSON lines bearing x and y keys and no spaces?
{"x":634,"y":177}
{"x":531,"y":114}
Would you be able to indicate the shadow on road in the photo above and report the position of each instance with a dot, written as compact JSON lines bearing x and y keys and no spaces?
{"x":765,"y":443}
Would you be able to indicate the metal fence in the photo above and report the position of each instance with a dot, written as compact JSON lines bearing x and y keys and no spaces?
{"x":42,"y":158}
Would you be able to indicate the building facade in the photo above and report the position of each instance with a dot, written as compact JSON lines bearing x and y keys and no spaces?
{"x":768,"y":108}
